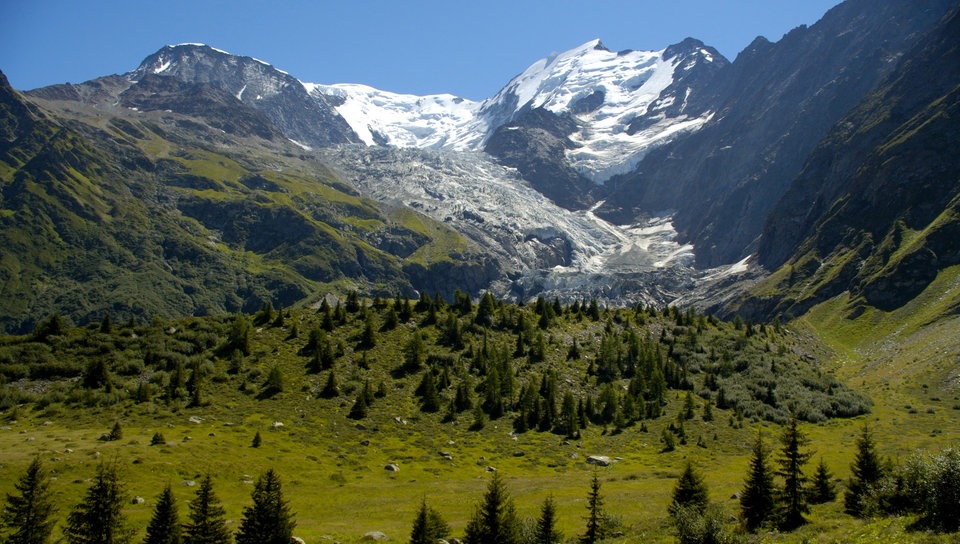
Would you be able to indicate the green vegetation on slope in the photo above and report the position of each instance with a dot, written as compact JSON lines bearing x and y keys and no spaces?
{"x":156,"y":215}
{"x":644,"y":386}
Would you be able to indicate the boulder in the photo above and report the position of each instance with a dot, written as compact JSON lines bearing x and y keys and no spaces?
{"x":392,"y":467}
{"x":599,"y":460}
{"x":374,"y":536}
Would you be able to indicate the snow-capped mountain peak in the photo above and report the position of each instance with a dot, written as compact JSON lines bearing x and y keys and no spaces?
{"x":605,"y":92}
{"x":401,"y":120}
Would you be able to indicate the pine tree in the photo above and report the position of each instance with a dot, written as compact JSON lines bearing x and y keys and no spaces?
{"x":569,"y":421}
{"x":268,"y":520}
{"x":495,"y":519}
{"x":429,"y":399}
{"x":99,"y":518}
{"x":757,"y":503}
{"x":822,"y":489}
{"x":274,"y":383}
{"x":596,"y":519}
{"x":257,"y":440}
{"x":164,"y":526}
{"x":116,"y":433}
{"x":867,"y":471}
{"x":207,"y":524}
{"x":27,"y":515}
{"x":690,"y":492}
{"x":332,"y":388}
{"x":359,"y":409}
{"x":428,"y":527}
{"x":791,"y":463}
{"x":239,"y":336}
{"x":546,"y":531}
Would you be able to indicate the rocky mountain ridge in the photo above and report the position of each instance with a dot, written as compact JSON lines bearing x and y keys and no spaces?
{"x":330,"y":187}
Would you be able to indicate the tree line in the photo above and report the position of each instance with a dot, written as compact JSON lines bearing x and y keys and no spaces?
{"x":774,"y":496}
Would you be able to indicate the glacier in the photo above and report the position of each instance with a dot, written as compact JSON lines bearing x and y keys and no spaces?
{"x":544,"y":250}
{"x":628,"y":84}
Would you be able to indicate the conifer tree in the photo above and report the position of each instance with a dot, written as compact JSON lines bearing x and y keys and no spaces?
{"x":359,"y":409}
{"x":164,"y":526}
{"x":866,"y":471}
{"x":27,"y":515}
{"x":116,"y":433}
{"x":274,"y":383}
{"x":429,"y":399}
{"x":239,"y":336}
{"x":268,"y":520}
{"x":546,"y":531}
{"x":757,"y":503}
{"x":331,"y":389}
{"x":99,"y":519}
{"x":822,"y":489}
{"x":791,"y":461}
{"x":429,"y":526}
{"x":495,"y":519}
{"x":596,"y":519}
{"x":569,"y":420}
{"x":368,"y":337}
{"x":691,"y":492}
{"x":207,"y":524}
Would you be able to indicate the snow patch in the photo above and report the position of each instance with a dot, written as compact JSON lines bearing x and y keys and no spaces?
{"x":164,"y":66}
{"x":300,"y":145}
{"x":631,"y":81}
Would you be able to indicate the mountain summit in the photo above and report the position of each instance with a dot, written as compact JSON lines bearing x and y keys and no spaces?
{"x":309,"y":120}
{"x":620,"y":104}
{"x":631,"y":176}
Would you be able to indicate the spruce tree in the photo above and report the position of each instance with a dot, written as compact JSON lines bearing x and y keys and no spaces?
{"x":495,"y":519}
{"x":164,"y":526}
{"x":757,"y":499}
{"x":274,"y":383}
{"x":332,"y":388}
{"x":867,"y":471}
{"x":596,"y":519}
{"x":429,"y":399}
{"x":268,"y":520}
{"x":428,"y":527}
{"x":546,"y":531}
{"x":791,"y":461}
{"x":822,"y":488}
{"x":359,"y":409}
{"x":27,"y":515}
{"x":690,"y":492}
{"x":99,"y":519}
{"x":207,"y":524}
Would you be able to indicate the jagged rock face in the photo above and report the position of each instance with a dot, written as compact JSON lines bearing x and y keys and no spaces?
{"x":535,"y":144}
{"x":310,"y":120}
{"x":590,"y":113}
{"x":217,"y":108}
{"x":773,"y":105}
{"x":885,"y":171}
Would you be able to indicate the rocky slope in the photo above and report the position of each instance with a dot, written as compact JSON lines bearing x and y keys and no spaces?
{"x":155,"y":212}
{"x":876,"y":209}
{"x":226,"y":182}
{"x":773,"y":105}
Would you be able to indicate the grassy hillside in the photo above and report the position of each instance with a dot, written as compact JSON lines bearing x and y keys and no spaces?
{"x":67,"y":387}
{"x":97,"y":203}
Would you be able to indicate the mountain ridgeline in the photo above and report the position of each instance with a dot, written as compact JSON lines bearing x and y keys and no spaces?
{"x":204,"y":182}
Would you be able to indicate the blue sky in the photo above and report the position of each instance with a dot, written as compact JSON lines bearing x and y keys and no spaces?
{"x":470,"y":49}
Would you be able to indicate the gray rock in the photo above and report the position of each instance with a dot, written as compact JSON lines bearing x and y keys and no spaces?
{"x":599,"y":460}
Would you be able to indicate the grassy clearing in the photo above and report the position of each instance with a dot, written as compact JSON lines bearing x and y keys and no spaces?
{"x":333,"y":468}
